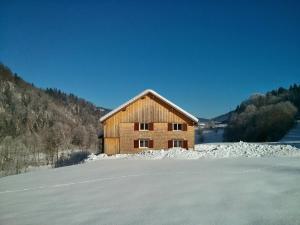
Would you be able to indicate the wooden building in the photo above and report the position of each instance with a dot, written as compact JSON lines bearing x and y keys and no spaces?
{"x":147,"y":121}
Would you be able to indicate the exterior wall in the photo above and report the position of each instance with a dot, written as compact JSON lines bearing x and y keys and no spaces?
{"x":160,"y":136}
{"x":112,"y":146}
{"x":119,"y":134}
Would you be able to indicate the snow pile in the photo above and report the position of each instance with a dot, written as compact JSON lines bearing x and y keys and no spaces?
{"x":244,"y":149}
{"x":223,"y":150}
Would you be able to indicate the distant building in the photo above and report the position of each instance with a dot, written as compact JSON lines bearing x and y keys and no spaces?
{"x":147,"y":121}
{"x":201,"y":125}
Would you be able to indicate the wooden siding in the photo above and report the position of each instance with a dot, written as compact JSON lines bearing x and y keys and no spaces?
{"x":144,"y":110}
{"x":160,"y":135}
{"x":112,"y":146}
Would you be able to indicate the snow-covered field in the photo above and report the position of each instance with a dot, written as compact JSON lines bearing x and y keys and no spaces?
{"x":255,"y":190}
{"x":220,"y":150}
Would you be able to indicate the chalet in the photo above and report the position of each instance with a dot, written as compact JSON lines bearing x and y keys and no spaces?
{"x":147,"y":121}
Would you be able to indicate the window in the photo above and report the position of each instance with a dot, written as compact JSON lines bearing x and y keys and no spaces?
{"x":143,"y":143}
{"x":144,"y":126}
{"x":177,"y":143}
{"x":177,"y":126}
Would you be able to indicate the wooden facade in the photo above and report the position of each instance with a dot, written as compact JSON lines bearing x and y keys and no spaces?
{"x":122,"y":127}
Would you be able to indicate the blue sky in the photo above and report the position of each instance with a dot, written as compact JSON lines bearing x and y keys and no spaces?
{"x":205,"y":56}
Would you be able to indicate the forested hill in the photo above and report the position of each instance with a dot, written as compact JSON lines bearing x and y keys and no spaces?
{"x":265,"y":117}
{"x":36,"y":124}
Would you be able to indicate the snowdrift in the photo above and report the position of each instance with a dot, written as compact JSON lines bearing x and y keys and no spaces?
{"x":222,"y":150}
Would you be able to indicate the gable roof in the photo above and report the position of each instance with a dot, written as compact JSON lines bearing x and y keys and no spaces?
{"x":149,"y":91}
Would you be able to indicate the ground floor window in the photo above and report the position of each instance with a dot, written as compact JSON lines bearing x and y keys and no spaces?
{"x":143,"y":143}
{"x":177,"y":143}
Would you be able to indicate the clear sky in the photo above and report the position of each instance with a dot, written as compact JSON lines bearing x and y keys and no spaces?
{"x":205,"y":56}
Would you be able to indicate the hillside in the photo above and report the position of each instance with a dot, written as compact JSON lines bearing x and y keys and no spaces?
{"x":293,"y":136}
{"x":265,"y":117}
{"x":36,"y":124}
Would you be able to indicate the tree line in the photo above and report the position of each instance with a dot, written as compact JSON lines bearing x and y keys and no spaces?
{"x":265,"y":117}
{"x":37,"y":126}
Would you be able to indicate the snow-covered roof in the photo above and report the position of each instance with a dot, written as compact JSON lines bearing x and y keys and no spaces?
{"x":190,"y":116}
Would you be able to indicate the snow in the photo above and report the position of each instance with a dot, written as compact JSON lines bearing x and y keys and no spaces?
{"x":232,"y":191}
{"x":221,"y":150}
{"x":293,"y":135}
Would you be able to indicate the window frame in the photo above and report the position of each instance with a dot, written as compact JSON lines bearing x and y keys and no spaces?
{"x":144,"y":141}
{"x":179,"y":143}
{"x":144,"y":125}
{"x":177,"y":126}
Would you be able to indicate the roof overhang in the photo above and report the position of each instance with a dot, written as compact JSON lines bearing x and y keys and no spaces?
{"x":149,"y":91}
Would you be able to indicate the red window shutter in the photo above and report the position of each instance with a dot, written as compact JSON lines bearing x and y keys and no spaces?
{"x":151,"y":126}
{"x":170,"y":127}
{"x":150,"y":143}
{"x":185,"y":144}
{"x":136,"y":143}
{"x":184,"y":127}
{"x":136,"y":126}
{"x":170,"y":143}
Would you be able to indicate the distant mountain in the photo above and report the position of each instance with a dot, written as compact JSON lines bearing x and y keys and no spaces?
{"x":37,"y":124}
{"x":203,"y":120}
{"x":224,"y":118}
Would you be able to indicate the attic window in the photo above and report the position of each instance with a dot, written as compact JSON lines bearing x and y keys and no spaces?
{"x":144,"y":126}
{"x":177,"y":126}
